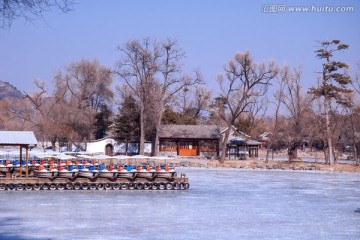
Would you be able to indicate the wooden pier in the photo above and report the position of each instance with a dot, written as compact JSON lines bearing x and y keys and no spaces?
{"x":34,"y":183}
{"x":12,"y":180}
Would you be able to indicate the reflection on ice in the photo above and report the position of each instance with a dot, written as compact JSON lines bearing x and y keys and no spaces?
{"x":220,"y":204}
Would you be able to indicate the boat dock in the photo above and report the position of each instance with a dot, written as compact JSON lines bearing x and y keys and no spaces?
{"x":81,"y":172}
{"x":33,"y":183}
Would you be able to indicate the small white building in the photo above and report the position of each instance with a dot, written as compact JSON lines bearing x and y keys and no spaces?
{"x":110,"y":146}
{"x":104,"y":146}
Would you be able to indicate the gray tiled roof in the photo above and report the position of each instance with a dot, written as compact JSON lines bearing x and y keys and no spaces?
{"x":17,"y":138}
{"x":190,"y":131}
{"x":253,"y":142}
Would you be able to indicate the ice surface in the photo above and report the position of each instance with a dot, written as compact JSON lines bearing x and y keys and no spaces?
{"x":220,"y":204}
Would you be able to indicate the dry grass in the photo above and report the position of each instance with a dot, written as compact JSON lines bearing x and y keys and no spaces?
{"x":261,"y":164}
{"x":252,"y":164}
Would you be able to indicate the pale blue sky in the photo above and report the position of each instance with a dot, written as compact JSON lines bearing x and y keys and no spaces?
{"x":209,"y":31}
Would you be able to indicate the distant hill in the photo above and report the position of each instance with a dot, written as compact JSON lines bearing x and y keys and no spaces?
{"x":9,"y":91}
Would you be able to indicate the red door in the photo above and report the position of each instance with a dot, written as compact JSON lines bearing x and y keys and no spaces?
{"x":188,"y":149}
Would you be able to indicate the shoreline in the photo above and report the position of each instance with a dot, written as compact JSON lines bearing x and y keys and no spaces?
{"x":306,"y":161}
{"x":262,"y":165}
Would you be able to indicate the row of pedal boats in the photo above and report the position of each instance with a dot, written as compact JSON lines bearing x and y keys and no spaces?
{"x":91,"y":171}
{"x":96,"y":186}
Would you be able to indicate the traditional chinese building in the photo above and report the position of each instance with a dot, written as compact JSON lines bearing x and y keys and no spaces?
{"x":204,"y":141}
{"x":189,"y":140}
{"x":240,"y":146}
{"x":186,"y":140}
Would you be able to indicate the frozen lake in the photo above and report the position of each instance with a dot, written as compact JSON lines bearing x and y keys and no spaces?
{"x":220,"y":204}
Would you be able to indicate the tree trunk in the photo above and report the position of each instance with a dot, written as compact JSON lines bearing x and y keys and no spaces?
{"x":268,"y":148}
{"x":268,"y":145}
{"x":292,"y":153}
{"x":326,"y":155}
{"x":335,"y":156}
{"x":355,"y":154}
{"x":267,"y":155}
{"x":155,"y":139}
{"x":224,"y":144}
{"x":155,"y":143}
{"x":142,"y":129}
{"x":328,"y":131}
{"x":53,"y":147}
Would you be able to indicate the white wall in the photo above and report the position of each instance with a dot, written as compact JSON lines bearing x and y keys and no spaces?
{"x":99,"y":146}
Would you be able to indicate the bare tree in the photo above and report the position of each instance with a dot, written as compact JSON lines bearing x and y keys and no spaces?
{"x":138,"y":67}
{"x":192,"y":102}
{"x":69,"y":111}
{"x":317,"y":135}
{"x":353,"y":111}
{"x":153,"y":71}
{"x":84,"y":88}
{"x":356,"y":79}
{"x":297,"y":104}
{"x":189,"y":106}
{"x":278,"y":97}
{"x":10,"y":109}
{"x":244,"y":82}
{"x":171,"y":81}
{"x":85,"y":84}
{"x":255,"y":116}
{"x":40,"y":113}
{"x":353,"y":129}
{"x":29,"y":9}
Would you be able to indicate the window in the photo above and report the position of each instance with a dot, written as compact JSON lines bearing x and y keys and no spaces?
{"x":168,"y":146}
